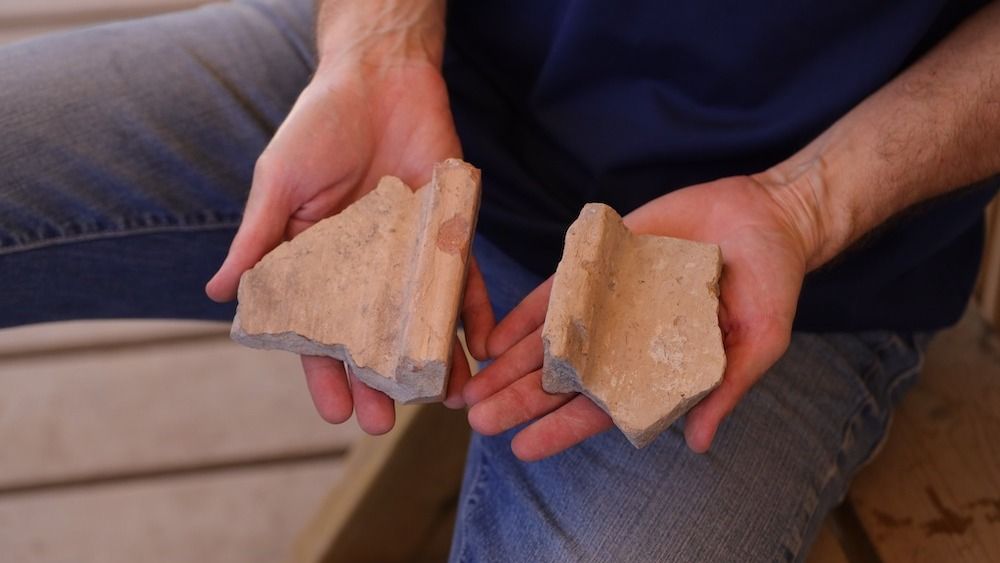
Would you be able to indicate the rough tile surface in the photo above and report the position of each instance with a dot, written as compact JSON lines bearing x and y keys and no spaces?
{"x":633,"y":323}
{"x":377,"y":285}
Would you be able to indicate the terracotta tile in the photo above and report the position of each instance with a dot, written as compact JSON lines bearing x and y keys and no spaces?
{"x":377,"y":285}
{"x":633,"y":323}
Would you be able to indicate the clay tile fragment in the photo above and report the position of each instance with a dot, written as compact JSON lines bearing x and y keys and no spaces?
{"x":377,"y":285}
{"x":633,"y":323}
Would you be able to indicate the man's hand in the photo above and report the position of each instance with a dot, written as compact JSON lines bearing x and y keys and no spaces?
{"x":765,"y":260}
{"x":376,"y":106}
{"x":932,"y":129}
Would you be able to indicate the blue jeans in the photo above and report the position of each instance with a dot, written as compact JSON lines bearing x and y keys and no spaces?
{"x":778,"y":465}
{"x":126,"y":155}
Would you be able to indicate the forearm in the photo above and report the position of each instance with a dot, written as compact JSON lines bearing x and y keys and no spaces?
{"x":380,"y":31}
{"x":934,"y":128}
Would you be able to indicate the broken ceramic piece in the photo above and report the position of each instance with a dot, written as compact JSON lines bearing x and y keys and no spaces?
{"x":378,"y":285}
{"x":633,"y":323}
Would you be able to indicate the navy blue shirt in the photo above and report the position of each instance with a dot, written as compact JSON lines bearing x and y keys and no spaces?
{"x":564,"y":102}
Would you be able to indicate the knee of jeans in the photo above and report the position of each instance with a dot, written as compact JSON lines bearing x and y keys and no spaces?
{"x":57,"y":92}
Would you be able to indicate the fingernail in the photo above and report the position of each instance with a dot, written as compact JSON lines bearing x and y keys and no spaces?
{"x":455,"y":402}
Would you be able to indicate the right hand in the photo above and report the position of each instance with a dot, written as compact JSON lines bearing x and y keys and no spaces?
{"x":354,"y":123}
{"x":766,"y":254}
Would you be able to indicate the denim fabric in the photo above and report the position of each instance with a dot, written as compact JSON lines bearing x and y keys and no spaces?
{"x":779,"y":463}
{"x":126,"y":155}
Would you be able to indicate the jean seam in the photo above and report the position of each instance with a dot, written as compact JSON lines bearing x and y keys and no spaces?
{"x":114,"y":234}
{"x":867,"y":402}
{"x":476,"y":488}
{"x":876,"y":364}
{"x":890,"y":391}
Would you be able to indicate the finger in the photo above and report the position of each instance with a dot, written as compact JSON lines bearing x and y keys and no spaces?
{"x":702,"y":421}
{"x":327,"y":383}
{"x":569,"y":425}
{"x":669,"y":215}
{"x":375,"y":411}
{"x":526,"y":317}
{"x":296,"y":226}
{"x":262,"y":229}
{"x":523,"y":358}
{"x":747,"y":360}
{"x":517,"y":403}
{"x":477,"y":313}
{"x":458,"y":378}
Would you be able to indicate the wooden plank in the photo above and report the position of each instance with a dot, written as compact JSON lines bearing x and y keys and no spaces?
{"x":154,"y":408}
{"x":827,"y":549}
{"x":75,"y":335}
{"x":933,"y":494}
{"x":988,"y":285}
{"x":397,"y":491}
{"x":437,"y":545}
{"x":245,"y":515}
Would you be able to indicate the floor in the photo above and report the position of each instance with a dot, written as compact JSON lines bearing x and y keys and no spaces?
{"x":933,"y":493}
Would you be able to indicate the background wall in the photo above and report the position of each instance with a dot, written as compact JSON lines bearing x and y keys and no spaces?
{"x":25,"y":18}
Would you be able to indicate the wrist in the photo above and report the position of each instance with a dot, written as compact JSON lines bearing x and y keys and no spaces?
{"x":801,"y":189}
{"x":376,"y":78}
{"x":373,"y":34}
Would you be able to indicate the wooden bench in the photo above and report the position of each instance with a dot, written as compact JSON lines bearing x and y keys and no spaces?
{"x":151,"y":441}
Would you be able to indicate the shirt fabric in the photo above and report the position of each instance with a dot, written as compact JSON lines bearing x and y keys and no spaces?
{"x":564,"y":102}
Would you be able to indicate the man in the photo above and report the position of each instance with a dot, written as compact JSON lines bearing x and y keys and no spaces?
{"x":804,"y":140}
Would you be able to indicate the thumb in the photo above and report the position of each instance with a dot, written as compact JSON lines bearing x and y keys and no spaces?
{"x":673,"y":214}
{"x":747,"y":361}
{"x":477,"y":312}
{"x":262,"y":229}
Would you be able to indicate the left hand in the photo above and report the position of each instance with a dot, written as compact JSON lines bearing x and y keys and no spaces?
{"x":765,"y":256}
{"x":354,"y":122}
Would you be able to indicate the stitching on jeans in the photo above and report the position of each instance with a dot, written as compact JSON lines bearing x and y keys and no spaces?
{"x":890,"y":392}
{"x":808,"y":508}
{"x":89,"y":237}
{"x":866,"y":375}
{"x":478,"y":482}
{"x":850,"y":436}
{"x":869,"y":401}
